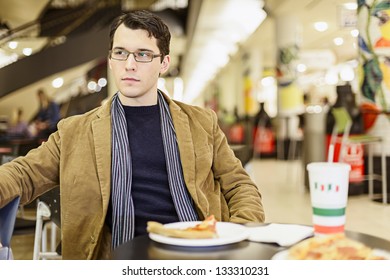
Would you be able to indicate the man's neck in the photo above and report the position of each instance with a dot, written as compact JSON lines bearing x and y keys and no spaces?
{"x":145,"y":100}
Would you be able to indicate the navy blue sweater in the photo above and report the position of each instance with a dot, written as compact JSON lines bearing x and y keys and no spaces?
{"x":150,"y":189}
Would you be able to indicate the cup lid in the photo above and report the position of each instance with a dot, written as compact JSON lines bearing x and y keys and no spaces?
{"x":335,"y":165}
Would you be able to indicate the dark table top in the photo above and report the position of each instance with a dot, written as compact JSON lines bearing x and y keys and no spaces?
{"x":143,"y":248}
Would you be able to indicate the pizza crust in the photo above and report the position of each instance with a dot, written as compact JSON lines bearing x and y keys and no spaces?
{"x":203,"y":230}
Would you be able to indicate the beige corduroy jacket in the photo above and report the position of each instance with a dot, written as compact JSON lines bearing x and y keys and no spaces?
{"x":78,"y":158}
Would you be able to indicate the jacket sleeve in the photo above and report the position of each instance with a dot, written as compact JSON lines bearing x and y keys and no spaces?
{"x":240,"y":192}
{"x":31,"y":175}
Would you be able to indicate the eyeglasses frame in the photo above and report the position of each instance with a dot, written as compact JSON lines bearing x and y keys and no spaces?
{"x":135,"y":58}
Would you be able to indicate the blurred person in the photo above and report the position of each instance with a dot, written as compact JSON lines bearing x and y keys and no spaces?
{"x":140,"y":156}
{"x":47,"y":117}
{"x":4,"y":124}
{"x":19,"y":127}
{"x":325,"y":103}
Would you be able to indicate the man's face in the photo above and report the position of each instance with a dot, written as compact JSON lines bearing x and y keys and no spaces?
{"x":137,"y":81}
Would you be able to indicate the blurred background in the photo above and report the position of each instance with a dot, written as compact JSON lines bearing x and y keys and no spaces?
{"x":224,"y":52}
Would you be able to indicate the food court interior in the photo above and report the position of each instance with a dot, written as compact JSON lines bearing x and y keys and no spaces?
{"x":273,"y":70}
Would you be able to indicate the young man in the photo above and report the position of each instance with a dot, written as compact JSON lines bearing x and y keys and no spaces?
{"x":139,"y":157}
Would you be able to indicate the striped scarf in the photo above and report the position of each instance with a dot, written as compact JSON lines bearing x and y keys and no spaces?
{"x":122,"y":202}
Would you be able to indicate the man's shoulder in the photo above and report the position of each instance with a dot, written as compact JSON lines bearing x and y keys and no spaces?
{"x":87,"y":117}
{"x":198,"y":116}
{"x":194,"y":109}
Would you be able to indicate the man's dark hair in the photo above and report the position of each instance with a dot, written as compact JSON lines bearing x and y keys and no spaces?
{"x":147,"y":21}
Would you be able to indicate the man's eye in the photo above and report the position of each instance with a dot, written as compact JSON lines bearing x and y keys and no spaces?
{"x":119,"y":52}
{"x":143,"y":54}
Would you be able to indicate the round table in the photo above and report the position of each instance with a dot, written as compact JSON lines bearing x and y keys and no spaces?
{"x":143,"y":248}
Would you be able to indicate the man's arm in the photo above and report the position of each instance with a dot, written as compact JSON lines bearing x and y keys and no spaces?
{"x":240,"y":192}
{"x":31,"y":175}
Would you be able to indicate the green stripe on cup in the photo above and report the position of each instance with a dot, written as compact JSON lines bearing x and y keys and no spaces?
{"x":329,"y":212}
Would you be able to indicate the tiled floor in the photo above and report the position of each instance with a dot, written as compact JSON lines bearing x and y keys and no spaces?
{"x":285,"y":201}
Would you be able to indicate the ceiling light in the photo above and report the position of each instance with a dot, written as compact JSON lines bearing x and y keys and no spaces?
{"x":350,"y":6}
{"x":92,"y":86}
{"x":102,"y":82}
{"x":27,"y":51}
{"x":164,"y":4}
{"x":57,"y":82}
{"x":301,"y":67}
{"x":338,"y":41}
{"x":13,"y":45}
{"x":321,"y":26}
{"x":355,"y":32}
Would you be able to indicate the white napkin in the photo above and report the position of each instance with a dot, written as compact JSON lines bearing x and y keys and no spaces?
{"x":282,"y":234}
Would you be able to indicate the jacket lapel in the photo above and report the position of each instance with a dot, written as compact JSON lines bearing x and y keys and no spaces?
{"x":186,"y":146}
{"x":101,"y":130}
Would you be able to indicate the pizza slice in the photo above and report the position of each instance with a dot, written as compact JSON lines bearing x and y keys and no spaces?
{"x":332,"y":247}
{"x":205,"y":229}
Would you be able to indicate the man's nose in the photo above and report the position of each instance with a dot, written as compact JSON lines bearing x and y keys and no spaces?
{"x":131,"y":62}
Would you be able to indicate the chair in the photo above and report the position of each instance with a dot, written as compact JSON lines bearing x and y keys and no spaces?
{"x":242,"y":152}
{"x":5,"y":151}
{"x":288,"y":136}
{"x":23,"y":225}
{"x":48,"y":215}
{"x":7,"y":222}
{"x":343,"y":125}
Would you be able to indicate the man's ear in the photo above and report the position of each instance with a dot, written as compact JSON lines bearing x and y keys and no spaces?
{"x":165,"y":64}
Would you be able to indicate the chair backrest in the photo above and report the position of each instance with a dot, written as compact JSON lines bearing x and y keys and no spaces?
{"x":4,"y":153}
{"x":343,"y":123}
{"x":52,"y":200}
{"x":7,"y":221}
{"x":342,"y":119}
{"x":48,"y":211}
{"x":22,"y":225}
{"x":7,"y":158}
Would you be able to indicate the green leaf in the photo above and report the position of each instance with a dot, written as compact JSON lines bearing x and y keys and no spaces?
{"x":372,"y":79}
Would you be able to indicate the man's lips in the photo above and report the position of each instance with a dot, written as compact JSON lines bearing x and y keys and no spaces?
{"x":130,"y":79}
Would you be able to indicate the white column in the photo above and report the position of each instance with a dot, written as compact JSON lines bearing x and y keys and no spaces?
{"x":290,"y":96}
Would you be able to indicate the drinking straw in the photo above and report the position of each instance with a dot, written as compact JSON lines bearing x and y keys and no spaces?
{"x":330,"y":153}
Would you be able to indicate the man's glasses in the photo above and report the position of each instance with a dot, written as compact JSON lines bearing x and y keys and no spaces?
{"x":139,"y":56}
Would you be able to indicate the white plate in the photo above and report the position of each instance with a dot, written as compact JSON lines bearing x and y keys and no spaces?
{"x":228,"y":233}
{"x":283,"y":255}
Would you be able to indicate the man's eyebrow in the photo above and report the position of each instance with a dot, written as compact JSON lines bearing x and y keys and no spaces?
{"x":137,"y":50}
{"x":143,"y":50}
